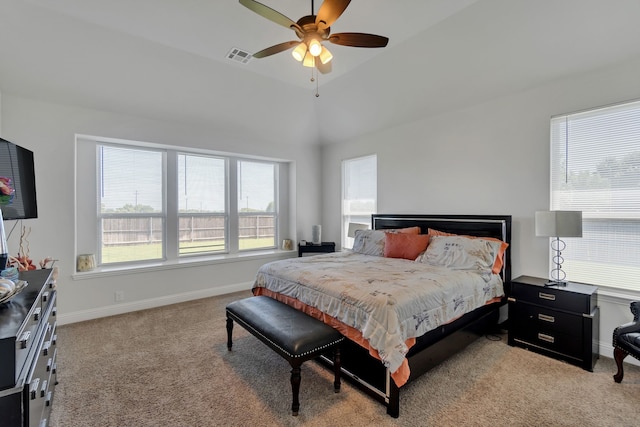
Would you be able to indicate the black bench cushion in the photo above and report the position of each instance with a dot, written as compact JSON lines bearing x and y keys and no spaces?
{"x":292,"y":332}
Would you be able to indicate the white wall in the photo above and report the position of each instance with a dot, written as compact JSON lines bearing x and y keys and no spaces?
{"x":49,"y":131}
{"x":486,"y":159}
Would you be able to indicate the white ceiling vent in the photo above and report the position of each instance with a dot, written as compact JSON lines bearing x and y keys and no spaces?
{"x":239,"y":55}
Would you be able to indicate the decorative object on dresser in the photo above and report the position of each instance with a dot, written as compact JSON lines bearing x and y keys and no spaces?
{"x":626,"y":340}
{"x":28,"y":352}
{"x":324,"y":247}
{"x":4,"y":249}
{"x":558,"y":224}
{"x":560,"y":321}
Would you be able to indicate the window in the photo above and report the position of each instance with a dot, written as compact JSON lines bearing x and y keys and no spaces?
{"x":359,"y":193}
{"x":256,"y":205}
{"x":595,"y":168}
{"x":131,"y":201}
{"x":158,"y":203}
{"x":202,"y":211}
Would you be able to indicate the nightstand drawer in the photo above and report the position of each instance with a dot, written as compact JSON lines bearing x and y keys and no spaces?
{"x":574,"y":298}
{"x":566,"y":344}
{"x":547,"y":319}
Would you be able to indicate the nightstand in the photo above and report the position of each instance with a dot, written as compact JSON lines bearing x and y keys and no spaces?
{"x":324,"y":247}
{"x":562,"y":322}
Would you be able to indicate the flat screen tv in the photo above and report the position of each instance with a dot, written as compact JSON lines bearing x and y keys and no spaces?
{"x":17,"y":182}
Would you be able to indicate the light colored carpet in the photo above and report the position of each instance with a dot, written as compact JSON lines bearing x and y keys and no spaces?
{"x":170,"y":367}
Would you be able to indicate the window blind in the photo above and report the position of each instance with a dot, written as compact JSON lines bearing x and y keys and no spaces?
{"x":359,"y":193}
{"x":595,"y":168}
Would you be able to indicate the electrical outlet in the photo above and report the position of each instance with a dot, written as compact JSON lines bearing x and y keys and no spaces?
{"x":119,"y":296}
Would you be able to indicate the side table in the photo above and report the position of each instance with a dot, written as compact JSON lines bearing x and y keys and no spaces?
{"x":324,"y":247}
{"x":558,"y":321}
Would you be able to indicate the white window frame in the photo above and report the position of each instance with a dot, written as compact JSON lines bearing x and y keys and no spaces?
{"x":87,"y":239}
{"x":608,"y":251}
{"x":348,"y":215}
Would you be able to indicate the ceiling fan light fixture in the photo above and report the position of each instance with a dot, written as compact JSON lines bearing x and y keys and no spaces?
{"x":315,"y":48}
{"x":325,"y":55}
{"x":309,"y":60}
{"x":299,"y":52}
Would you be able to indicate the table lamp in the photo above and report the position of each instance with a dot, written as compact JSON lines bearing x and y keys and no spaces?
{"x":558,"y":224}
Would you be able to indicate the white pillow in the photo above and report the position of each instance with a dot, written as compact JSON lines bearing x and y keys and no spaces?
{"x":461,"y":253}
{"x":369,"y":242}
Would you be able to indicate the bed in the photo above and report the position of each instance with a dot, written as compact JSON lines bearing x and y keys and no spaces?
{"x":402,"y":315}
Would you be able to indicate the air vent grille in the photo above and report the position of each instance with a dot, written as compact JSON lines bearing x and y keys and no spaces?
{"x":239,"y":55}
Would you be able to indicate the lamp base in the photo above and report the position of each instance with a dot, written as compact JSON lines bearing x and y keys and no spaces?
{"x":558,"y":283}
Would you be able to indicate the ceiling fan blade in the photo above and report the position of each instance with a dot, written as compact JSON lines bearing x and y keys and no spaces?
{"x":268,"y":13}
{"x":275,"y":49}
{"x":329,"y":12}
{"x":324,"y":68}
{"x":358,"y":40}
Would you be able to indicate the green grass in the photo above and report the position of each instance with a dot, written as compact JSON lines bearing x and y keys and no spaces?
{"x":153,"y":251}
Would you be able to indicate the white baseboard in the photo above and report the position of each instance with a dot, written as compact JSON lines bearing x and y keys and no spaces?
{"x":112,"y":310}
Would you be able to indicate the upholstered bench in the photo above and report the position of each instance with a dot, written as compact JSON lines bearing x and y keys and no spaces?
{"x":292,"y":334}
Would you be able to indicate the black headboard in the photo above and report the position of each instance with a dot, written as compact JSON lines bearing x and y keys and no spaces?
{"x":498,"y":226}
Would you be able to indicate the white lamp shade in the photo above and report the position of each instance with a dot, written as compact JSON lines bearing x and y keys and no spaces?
{"x":309,"y":60}
{"x":355,"y":226}
{"x":315,"y":47}
{"x":559,"y":224}
{"x":325,"y":55}
{"x":299,"y":52}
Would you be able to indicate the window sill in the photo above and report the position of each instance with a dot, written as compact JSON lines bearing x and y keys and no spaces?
{"x":618,"y":294}
{"x":269,"y":255}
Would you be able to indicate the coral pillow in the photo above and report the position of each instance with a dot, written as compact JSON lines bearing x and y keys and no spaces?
{"x":407,"y":246}
{"x":498,"y":264}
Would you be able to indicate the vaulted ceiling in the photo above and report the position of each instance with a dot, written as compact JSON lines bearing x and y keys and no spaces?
{"x":168,"y":59}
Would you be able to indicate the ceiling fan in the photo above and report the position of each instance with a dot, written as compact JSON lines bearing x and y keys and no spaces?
{"x":312,"y":30}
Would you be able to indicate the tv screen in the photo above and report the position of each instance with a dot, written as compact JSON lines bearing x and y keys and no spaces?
{"x":17,"y":182}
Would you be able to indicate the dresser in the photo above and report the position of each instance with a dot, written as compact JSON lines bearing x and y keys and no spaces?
{"x":558,"y":321}
{"x":28,"y":352}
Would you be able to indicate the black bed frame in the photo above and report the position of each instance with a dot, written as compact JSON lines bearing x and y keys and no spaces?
{"x":368,"y":373}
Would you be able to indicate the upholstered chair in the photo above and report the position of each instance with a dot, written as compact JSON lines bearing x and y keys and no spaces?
{"x":626,"y":340}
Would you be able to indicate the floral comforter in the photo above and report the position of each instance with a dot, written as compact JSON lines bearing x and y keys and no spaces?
{"x":388,"y":300}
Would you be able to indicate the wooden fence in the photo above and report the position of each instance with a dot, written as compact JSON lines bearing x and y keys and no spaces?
{"x":133,"y":231}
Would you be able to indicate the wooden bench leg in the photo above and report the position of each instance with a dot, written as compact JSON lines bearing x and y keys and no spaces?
{"x":229,"y":332}
{"x":336,"y":369}
{"x":295,"y":389}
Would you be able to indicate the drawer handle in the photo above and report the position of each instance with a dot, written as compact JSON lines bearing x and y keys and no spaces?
{"x":34,"y":388}
{"x":547,"y":338}
{"x":546,"y":318}
{"x":36,"y":313}
{"x":550,"y":297}
{"x":43,"y":389}
{"x":24,"y":339}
